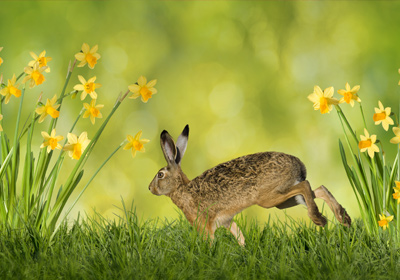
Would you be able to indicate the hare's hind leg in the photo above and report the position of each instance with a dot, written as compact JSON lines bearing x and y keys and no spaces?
{"x":340,"y":213}
{"x":297,"y":194}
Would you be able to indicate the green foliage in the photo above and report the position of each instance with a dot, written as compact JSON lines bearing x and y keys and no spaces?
{"x":31,"y":195}
{"x":127,"y":248}
{"x":372,"y":179}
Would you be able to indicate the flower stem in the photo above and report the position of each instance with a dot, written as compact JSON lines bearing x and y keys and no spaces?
{"x":14,"y":174}
{"x":363,"y":117}
{"x":346,"y":122}
{"x":70,"y":183}
{"x":88,"y":183}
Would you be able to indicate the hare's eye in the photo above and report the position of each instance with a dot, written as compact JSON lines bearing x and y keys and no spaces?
{"x":160,"y":175}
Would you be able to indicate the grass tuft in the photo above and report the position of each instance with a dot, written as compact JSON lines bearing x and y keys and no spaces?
{"x":129,"y":248}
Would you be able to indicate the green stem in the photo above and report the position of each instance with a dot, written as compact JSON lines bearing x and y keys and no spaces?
{"x":27,"y":176}
{"x":42,"y":161}
{"x":14,"y":158}
{"x":88,"y":183}
{"x":346,"y":122}
{"x":69,"y":184}
{"x":362,"y":114}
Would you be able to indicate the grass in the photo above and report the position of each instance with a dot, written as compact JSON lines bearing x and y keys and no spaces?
{"x":127,"y":248}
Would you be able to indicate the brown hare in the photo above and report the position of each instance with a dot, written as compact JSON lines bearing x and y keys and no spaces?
{"x":211,"y":200}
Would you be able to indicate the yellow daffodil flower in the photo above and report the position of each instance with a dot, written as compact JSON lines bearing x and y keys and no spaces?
{"x":1,"y":60}
{"x":92,"y":110}
{"x":51,"y":141}
{"x":88,"y":55}
{"x":11,"y":89}
{"x":384,"y":222}
{"x":1,"y":117}
{"x":396,"y":139}
{"x":135,"y":143}
{"x":142,"y":88}
{"x":349,"y":94}
{"x":323,"y":100}
{"x":41,"y":59}
{"x":49,"y":109}
{"x":87,"y":87}
{"x":368,"y":143}
{"x":396,"y":194}
{"x":34,"y":74}
{"x":382,"y":115}
{"x":75,"y":145}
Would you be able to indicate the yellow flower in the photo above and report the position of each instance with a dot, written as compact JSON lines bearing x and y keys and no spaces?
{"x":41,"y":59}
{"x":368,"y":143}
{"x":1,"y":117}
{"x":396,"y":139}
{"x":382,"y":116}
{"x":87,"y":87}
{"x":75,"y":145}
{"x":34,"y":74}
{"x":144,"y":89}
{"x":323,"y":101}
{"x":11,"y":89}
{"x":92,"y":111}
{"x":88,"y":55}
{"x":135,"y":143}
{"x":349,"y":95}
{"x":1,"y":60}
{"x":396,"y":194}
{"x":51,"y":141}
{"x":384,"y":222}
{"x":49,"y":109}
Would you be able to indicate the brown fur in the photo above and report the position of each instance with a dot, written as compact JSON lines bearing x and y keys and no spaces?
{"x":268,"y":179}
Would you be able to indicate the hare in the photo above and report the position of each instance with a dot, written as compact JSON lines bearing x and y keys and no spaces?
{"x":211,"y":200}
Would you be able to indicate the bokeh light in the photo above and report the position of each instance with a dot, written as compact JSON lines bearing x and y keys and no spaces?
{"x":237,"y":72}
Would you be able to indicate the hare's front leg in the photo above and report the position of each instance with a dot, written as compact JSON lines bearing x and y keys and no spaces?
{"x":226,"y":221}
{"x":235,"y":230}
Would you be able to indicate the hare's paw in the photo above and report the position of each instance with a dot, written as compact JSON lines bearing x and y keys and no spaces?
{"x":320,"y":221}
{"x":343,"y":217}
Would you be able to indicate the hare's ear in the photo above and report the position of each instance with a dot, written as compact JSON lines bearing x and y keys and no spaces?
{"x":168,"y":147}
{"x":181,"y":144}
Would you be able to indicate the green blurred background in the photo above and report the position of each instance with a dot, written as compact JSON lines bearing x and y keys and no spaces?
{"x":238,"y":73}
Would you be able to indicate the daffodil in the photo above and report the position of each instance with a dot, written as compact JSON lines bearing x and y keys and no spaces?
{"x":75,"y":145}
{"x":382,"y":115}
{"x":92,"y":110}
{"x":34,"y":74}
{"x":349,"y":94}
{"x":1,"y":117}
{"x":384,"y":222}
{"x":87,"y":87}
{"x":1,"y":60}
{"x":396,"y":194}
{"x":11,"y":89}
{"x":367,"y":143}
{"x":323,"y":100}
{"x":396,"y":139}
{"x":88,"y":55}
{"x":41,"y":59}
{"x":135,"y":143}
{"x":51,"y":141}
{"x":142,"y":88}
{"x":49,"y":109}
